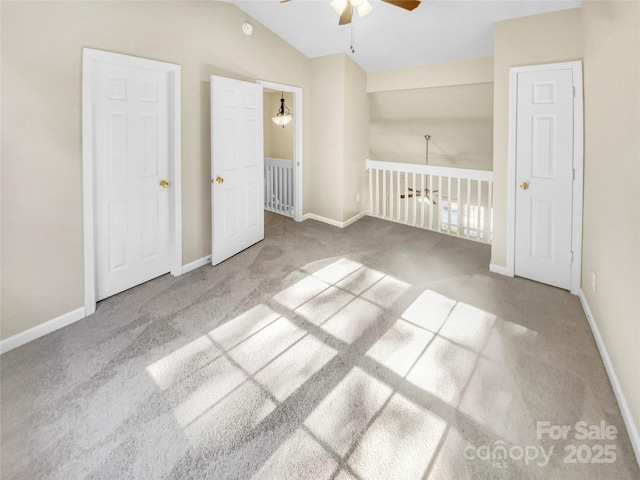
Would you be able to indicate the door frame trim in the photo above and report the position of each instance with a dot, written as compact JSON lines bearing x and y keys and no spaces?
{"x":89,"y":58}
{"x":578,"y":165}
{"x":297,"y":142}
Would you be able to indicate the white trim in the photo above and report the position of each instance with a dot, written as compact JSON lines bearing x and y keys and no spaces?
{"x":88,"y":183}
{"x":499,"y":269}
{"x":297,"y":142}
{"x":511,"y":174}
{"x":41,"y":330}
{"x":578,"y":183}
{"x":175,"y":143}
{"x":632,"y":429}
{"x":189,"y":267}
{"x":335,"y":223}
{"x":578,"y":166}
{"x":89,"y":58}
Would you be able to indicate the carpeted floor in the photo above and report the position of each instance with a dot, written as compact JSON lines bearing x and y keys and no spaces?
{"x":374,"y":352}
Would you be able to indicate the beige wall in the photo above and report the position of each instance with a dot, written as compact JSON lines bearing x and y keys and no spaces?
{"x":611,"y":245}
{"x":606,"y":35}
{"x":459,"y":119}
{"x":42,"y":263}
{"x":356,"y":147}
{"x":42,"y":237}
{"x":462,"y":72}
{"x":451,"y":101}
{"x":278,"y":141}
{"x":340,"y":122}
{"x":327,"y":145}
{"x":548,"y":38}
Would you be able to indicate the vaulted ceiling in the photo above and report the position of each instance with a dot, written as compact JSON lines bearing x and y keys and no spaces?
{"x":390,"y":37}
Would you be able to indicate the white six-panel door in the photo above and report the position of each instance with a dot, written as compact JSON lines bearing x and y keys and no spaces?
{"x":544,"y":176}
{"x":131,"y":114}
{"x":237,"y":159}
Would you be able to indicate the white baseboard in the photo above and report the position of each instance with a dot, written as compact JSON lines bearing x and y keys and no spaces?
{"x":319,"y":218}
{"x":335,"y":223}
{"x":499,"y":269}
{"x":355,"y":218}
{"x":196,"y":264}
{"x":41,"y":330}
{"x":632,"y":429}
{"x":68,"y":318}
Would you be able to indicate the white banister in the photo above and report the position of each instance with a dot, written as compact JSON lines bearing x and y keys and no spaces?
{"x":278,"y":186}
{"x":460,"y":205}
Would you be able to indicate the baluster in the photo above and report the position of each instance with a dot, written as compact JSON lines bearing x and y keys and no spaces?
{"x":440,"y":205}
{"x":384,"y":194}
{"x":399,"y":199}
{"x":269,"y":180}
{"x":274,"y":189}
{"x":377,"y":193}
{"x":283,"y":188}
{"x":406,"y":197}
{"x":291,"y":191}
{"x":370,"y":192}
{"x":489,"y":215}
{"x":280,"y":187}
{"x":391,"y":194}
{"x":468,"y":208}
{"x":415,"y":200}
{"x":287,"y":183}
{"x":449,"y":205}
{"x":479,"y":227}
{"x":459,"y":208}
{"x":432,"y":198}
{"x":424,"y":198}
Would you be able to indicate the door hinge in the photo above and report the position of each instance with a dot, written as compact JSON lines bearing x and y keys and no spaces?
{"x":574,"y":92}
{"x":574,"y":173}
{"x":571,"y":257}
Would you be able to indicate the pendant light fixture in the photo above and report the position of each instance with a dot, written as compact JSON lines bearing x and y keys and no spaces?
{"x":284,"y":115}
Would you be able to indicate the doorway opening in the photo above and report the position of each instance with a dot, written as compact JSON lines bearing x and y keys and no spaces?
{"x":282,"y":151}
{"x":278,"y":155}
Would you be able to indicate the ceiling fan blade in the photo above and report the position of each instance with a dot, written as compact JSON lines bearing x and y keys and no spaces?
{"x":347,"y":14}
{"x":406,"y":4}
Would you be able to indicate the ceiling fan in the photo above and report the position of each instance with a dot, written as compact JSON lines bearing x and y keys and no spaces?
{"x":345,"y":8}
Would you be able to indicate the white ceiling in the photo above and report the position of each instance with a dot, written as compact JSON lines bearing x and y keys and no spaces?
{"x":390,"y":37}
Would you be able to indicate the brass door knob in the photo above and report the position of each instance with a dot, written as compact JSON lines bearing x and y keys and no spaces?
{"x":164,"y":184}
{"x":219,"y":180}
{"x":524,"y":185}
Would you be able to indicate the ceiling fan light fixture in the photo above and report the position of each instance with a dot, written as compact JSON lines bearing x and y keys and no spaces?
{"x":339,"y":6}
{"x":365,"y":8}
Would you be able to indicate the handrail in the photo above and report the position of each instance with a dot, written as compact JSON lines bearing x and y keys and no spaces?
{"x":470,"y":174}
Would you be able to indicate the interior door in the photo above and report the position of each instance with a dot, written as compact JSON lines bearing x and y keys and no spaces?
{"x":237,"y":159}
{"x":131,"y":176}
{"x":544,"y":176}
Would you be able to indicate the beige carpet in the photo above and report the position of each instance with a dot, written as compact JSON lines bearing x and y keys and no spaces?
{"x":374,"y":352}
